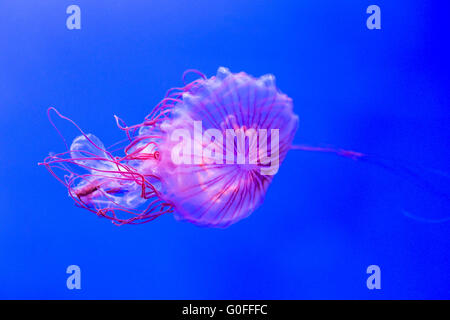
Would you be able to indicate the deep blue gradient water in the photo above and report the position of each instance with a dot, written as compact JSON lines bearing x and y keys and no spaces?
{"x":325,"y":219}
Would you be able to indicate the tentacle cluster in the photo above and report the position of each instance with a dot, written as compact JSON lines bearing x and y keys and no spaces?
{"x":125,"y":188}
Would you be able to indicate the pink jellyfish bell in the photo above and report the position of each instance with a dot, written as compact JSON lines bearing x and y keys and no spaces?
{"x":222,"y":146}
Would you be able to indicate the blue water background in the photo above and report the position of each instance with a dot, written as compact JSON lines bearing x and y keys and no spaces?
{"x":325,"y":219}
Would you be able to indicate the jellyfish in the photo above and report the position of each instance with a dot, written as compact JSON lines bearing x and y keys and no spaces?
{"x":206,"y":153}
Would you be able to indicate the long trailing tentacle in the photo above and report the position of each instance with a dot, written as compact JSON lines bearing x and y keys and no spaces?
{"x":414,"y":173}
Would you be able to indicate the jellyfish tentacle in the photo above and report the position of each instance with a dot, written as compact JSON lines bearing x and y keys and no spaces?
{"x":411,"y":172}
{"x":111,"y":187}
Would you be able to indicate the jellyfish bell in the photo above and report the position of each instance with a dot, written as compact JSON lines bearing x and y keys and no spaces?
{"x":232,"y":132}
